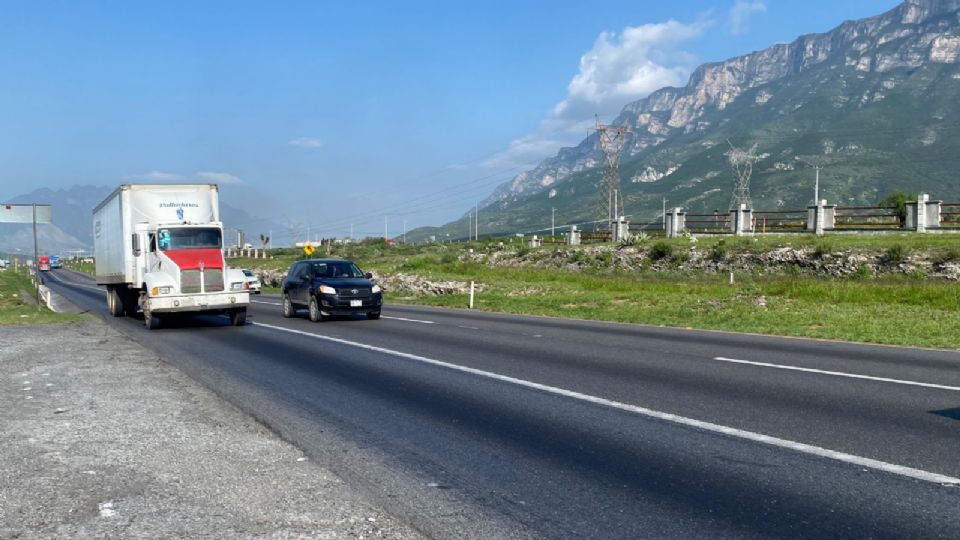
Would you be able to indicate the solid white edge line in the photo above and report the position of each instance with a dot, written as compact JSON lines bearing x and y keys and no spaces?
{"x":838,"y":373}
{"x":262,"y":302}
{"x":901,"y":470}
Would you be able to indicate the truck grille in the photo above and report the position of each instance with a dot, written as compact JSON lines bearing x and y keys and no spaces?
{"x":212,"y":281}
{"x":190,"y":281}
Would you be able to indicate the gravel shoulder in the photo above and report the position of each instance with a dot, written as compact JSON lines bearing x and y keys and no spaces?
{"x":102,"y":439}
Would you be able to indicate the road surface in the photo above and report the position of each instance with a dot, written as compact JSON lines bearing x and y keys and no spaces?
{"x":479,"y":425}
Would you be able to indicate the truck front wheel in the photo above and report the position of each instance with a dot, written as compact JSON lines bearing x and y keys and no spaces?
{"x":238,"y":317}
{"x":151,"y":321}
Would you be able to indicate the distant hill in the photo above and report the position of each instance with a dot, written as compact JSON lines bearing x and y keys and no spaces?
{"x":876,"y":101}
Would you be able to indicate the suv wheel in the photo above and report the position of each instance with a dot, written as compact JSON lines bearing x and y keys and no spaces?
{"x":288,"y":310}
{"x":315,"y":314}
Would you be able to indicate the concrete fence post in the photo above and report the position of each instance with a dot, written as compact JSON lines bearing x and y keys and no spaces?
{"x":535,"y":241}
{"x":622,"y":229}
{"x":573,"y":238}
{"x":923,"y":214}
{"x":676,"y":222}
{"x":741,"y":220}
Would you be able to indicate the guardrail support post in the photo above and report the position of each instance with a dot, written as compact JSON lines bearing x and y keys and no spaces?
{"x":676,"y":222}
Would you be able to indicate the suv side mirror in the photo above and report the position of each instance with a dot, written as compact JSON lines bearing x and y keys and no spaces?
{"x":368,"y":275}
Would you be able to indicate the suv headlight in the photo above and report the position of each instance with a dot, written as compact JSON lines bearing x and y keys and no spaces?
{"x":375,"y":289}
{"x":324,"y":289}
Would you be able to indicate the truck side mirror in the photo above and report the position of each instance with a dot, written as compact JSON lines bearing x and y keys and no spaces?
{"x":135,"y":243}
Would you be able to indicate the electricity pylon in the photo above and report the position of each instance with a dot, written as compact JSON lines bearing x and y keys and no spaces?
{"x":609,"y":197}
{"x":741,"y":161}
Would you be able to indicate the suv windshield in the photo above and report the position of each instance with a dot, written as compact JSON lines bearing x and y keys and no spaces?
{"x":339,"y":269}
{"x":189,"y":238}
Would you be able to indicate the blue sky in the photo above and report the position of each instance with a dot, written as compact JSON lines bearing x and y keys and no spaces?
{"x":338,"y":113}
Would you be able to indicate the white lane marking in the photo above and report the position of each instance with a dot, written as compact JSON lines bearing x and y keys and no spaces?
{"x":838,"y":373}
{"x":406,"y":320}
{"x":468,"y":327}
{"x":262,"y":302}
{"x":909,"y":472}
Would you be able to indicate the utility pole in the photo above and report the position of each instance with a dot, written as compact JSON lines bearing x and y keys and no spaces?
{"x":817,"y":163}
{"x":553,"y":221}
{"x":404,"y":231}
{"x":612,"y":140}
{"x":664,"y":214}
{"x":476,"y":214}
{"x":36,"y":256}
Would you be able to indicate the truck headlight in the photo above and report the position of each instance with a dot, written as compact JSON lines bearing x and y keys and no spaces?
{"x":161,"y":290}
{"x":238,"y":286}
{"x":324,"y":289}
{"x":375,"y":289}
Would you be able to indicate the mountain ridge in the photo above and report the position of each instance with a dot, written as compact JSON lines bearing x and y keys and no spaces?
{"x":829,"y":94}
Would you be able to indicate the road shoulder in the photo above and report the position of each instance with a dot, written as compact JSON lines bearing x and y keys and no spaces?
{"x":103,"y":439}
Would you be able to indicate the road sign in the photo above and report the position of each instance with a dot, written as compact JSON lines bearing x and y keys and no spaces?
{"x":308,"y":249}
{"x":24,"y":213}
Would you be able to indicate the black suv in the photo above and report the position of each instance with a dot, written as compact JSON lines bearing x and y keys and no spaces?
{"x":330,"y":287}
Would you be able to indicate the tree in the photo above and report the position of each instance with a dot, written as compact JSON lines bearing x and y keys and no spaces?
{"x":898,"y":200}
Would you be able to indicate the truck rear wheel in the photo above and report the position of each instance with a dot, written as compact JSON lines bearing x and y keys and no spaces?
{"x":238,"y":317}
{"x":114,"y":301}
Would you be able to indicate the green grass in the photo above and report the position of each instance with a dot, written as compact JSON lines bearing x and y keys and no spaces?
{"x":902,"y":310}
{"x":13,"y":310}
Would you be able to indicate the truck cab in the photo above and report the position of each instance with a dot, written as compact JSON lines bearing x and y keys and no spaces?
{"x":182,"y":268}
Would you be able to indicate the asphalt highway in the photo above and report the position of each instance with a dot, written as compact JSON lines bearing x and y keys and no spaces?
{"x":478,"y":425}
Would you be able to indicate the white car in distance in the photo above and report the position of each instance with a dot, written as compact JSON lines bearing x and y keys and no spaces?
{"x":252,"y":281}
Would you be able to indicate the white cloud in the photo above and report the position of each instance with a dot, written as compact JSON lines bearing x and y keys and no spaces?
{"x":307,"y":142}
{"x":741,"y":11}
{"x":156,"y":176}
{"x":219,"y":177}
{"x":620,"y":68}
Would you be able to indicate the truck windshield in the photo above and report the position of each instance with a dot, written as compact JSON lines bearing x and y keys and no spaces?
{"x":189,"y":238}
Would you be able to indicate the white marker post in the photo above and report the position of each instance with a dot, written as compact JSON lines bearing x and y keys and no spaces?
{"x":471,"y":295}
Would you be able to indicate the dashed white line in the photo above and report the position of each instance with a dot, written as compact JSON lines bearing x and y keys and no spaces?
{"x":860,"y":461}
{"x":838,"y":374}
{"x":262,"y":302}
{"x":407,"y":320}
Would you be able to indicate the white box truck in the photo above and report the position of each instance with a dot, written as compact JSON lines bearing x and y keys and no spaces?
{"x":159,"y":249}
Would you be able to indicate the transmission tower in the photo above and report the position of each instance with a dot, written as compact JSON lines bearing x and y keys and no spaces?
{"x":609,"y":197}
{"x":741,"y":161}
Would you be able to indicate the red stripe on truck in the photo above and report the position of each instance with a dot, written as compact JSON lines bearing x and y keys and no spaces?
{"x":190,"y":259}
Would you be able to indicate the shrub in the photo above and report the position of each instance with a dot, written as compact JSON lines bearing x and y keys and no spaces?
{"x":821,"y":250}
{"x":864,"y":271}
{"x":523,"y":251}
{"x":661,"y":250}
{"x":898,"y":201}
{"x":946,"y":256}
{"x":719,"y":251}
{"x":633,"y":239}
{"x":895,"y":254}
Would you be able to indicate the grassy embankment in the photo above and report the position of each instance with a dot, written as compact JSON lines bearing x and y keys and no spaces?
{"x":899,"y":309}
{"x":13,"y":310}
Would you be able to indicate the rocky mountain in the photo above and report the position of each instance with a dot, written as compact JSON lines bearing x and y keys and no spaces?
{"x":876,"y":101}
{"x":72,"y":212}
